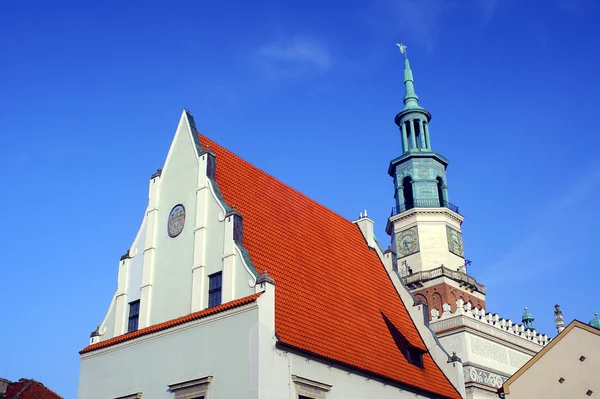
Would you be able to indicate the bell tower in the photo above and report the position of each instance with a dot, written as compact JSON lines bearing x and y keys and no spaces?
{"x":425,"y":228}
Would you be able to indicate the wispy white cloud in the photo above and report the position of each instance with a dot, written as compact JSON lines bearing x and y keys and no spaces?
{"x":294,"y":58}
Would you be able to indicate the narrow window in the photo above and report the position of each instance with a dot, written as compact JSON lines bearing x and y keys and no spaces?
{"x":440,"y":191}
{"x":407,"y":190}
{"x":418,"y":138}
{"x":214,"y":289}
{"x":134,"y":316}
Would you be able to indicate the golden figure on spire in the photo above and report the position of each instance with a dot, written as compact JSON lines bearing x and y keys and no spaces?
{"x":402,"y":48}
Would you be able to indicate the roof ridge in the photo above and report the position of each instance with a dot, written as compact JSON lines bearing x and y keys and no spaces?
{"x":25,"y":388}
{"x":202,"y":136}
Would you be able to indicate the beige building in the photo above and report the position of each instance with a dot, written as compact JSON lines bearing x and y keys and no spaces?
{"x":568,"y":367}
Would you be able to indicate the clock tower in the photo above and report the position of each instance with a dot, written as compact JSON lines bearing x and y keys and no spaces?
{"x":424,"y":226}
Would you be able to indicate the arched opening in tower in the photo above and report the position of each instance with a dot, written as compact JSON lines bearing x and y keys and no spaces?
{"x":440,"y":191}
{"x":407,"y":189}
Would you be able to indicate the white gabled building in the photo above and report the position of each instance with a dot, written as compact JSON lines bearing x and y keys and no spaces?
{"x":238,"y":286}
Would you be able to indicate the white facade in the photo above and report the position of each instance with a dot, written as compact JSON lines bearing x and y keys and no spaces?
{"x":204,"y":246}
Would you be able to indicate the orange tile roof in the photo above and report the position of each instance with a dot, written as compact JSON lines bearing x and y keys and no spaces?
{"x":332,"y":293}
{"x":171,"y":323}
{"x":28,"y":389}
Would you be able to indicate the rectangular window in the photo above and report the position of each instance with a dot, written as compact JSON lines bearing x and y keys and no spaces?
{"x":215,"y":283}
{"x":134,"y":316}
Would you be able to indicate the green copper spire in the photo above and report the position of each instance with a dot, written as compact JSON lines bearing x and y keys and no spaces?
{"x":411,"y":100}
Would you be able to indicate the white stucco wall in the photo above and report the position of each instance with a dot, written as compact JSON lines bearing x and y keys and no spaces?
{"x":135,"y":264}
{"x":174,"y":256}
{"x":170,"y":275}
{"x":344,"y":384}
{"x":222,"y":346}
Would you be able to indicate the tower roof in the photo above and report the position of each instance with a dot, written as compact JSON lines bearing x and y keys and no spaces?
{"x":411,"y":100}
{"x":527,"y":320}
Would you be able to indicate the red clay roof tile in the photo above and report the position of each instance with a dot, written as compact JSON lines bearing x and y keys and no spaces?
{"x":171,"y":323}
{"x":29,"y":389}
{"x":332,"y":293}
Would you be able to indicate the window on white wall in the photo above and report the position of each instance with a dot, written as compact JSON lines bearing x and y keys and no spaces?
{"x":192,"y":389}
{"x":310,"y":389}
{"x":134,"y":316}
{"x":215,"y":284}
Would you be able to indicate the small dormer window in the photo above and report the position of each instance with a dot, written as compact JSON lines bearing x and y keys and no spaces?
{"x":414,"y":356}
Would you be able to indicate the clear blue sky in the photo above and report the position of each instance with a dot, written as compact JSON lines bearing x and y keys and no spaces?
{"x":91,"y":93}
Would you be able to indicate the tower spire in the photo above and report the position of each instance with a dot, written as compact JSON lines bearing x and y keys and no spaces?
{"x":411,"y":100}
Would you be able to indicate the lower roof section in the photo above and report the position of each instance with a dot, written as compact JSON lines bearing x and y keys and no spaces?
{"x":171,"y":323}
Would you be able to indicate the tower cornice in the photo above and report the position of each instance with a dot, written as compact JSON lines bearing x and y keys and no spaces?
{"x":416,"y":154}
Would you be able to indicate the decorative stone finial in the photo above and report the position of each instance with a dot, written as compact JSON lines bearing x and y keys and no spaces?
{"x":96,"y":332}
{"x":125,"y":255}
{"x":265,"y":278}
{"x":454,"y":358}
{"x":558,"y":319}
{"x":156,"y":174}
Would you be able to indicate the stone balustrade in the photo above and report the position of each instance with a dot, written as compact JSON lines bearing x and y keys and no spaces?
{"x":465,"y":309}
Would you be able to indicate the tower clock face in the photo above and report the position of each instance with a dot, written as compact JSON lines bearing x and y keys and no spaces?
{"x":455,"y":243}
{"x":407,"y":242}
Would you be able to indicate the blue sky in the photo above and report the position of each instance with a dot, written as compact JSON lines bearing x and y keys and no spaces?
{"x":91,"y":93}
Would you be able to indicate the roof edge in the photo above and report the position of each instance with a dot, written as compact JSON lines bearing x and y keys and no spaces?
{"x":400,"y":384}
{"x":504,"y":389}
{"x":166,"y":325}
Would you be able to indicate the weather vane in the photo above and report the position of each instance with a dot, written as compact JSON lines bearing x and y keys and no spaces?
{"x":402,"y":48}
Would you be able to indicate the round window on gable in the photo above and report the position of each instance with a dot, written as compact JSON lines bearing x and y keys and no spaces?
{"x":176,"y":221}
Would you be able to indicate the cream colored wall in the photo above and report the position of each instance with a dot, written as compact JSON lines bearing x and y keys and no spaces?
{"x":490,"y":354}
{"x":433,"y":244}
{"x":562,"y":360}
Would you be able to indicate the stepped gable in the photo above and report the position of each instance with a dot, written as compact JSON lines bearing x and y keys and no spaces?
{"x":333,"y":296}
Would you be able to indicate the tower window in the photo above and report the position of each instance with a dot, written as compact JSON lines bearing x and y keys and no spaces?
{"x":407,"y":190}
{"x":215,"y":283}
{"x":134,"y":316}
{"x":440,"y":191}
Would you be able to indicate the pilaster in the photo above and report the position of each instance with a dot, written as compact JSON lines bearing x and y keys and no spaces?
{"x":229,"y":258}
{"x":121,"y":296}
{"x":149,"y":252}
{"x":200,"y":232}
